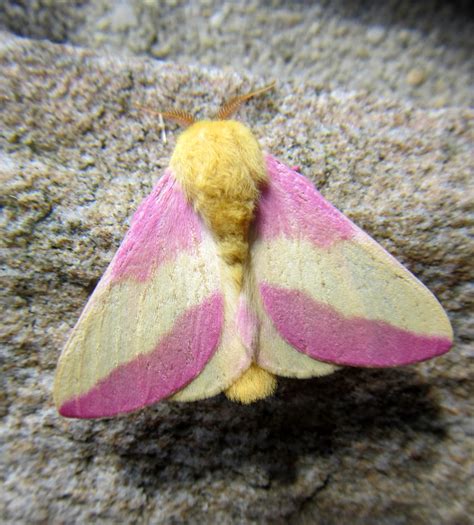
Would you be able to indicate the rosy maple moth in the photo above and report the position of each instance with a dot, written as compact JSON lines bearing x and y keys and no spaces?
{"x":236,"y":270}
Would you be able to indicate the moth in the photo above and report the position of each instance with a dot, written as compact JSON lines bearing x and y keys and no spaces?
{"x":236,"y":270}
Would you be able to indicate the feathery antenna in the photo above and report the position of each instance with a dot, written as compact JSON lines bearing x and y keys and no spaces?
{"x":231,"y":106}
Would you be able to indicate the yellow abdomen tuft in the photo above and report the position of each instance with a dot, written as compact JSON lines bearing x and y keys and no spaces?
{"x":254,"y":384}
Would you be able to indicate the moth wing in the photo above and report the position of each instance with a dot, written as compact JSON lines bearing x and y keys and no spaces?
{"x":331,"y":292}
{"x":154,"y":325}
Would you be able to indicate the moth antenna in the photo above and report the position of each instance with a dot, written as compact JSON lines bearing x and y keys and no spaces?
{"x":181,"y":117}
{"x":231,"y":106}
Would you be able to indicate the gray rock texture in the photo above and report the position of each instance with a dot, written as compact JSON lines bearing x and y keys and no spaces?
{"x":77,"y":154}
{"x":421,"y":51}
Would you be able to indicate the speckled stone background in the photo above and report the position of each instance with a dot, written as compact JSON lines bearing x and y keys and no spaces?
{"x":374,"y":104}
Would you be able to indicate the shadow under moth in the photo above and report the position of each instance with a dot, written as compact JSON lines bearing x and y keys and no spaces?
{"x":236,"y":270}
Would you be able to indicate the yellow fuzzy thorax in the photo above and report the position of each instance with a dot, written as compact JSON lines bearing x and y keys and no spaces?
{"x":220,"y":167}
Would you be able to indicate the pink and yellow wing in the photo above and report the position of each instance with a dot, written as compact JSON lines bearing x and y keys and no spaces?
{"x":331,"y":292}
{"x":155,"y":325}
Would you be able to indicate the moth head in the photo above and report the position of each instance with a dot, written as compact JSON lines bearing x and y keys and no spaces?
{"x":221,"y":144}
{"x":220,"y":124}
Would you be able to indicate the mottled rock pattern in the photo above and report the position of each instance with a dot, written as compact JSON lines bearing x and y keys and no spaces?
{"x":361,"y":446}
{"x":420,"y":51}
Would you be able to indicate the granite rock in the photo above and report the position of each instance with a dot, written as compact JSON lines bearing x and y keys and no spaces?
{"x":419,"y":51}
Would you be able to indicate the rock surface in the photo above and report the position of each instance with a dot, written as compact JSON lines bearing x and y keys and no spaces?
{"x":361,"y":446}
{"x":421,"y":51}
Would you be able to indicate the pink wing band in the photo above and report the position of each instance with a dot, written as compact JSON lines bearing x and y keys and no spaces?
{"x":178,"y":358}
{"x":319,"y":331}
{"x":290,"y":206}
{"x":143,"y":249}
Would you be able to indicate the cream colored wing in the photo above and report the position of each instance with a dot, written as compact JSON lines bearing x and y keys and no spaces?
{"x":156,"y":324}
{"x":329,"y":294}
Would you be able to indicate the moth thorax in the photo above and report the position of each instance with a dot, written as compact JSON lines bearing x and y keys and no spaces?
{"x":221,"y":168}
